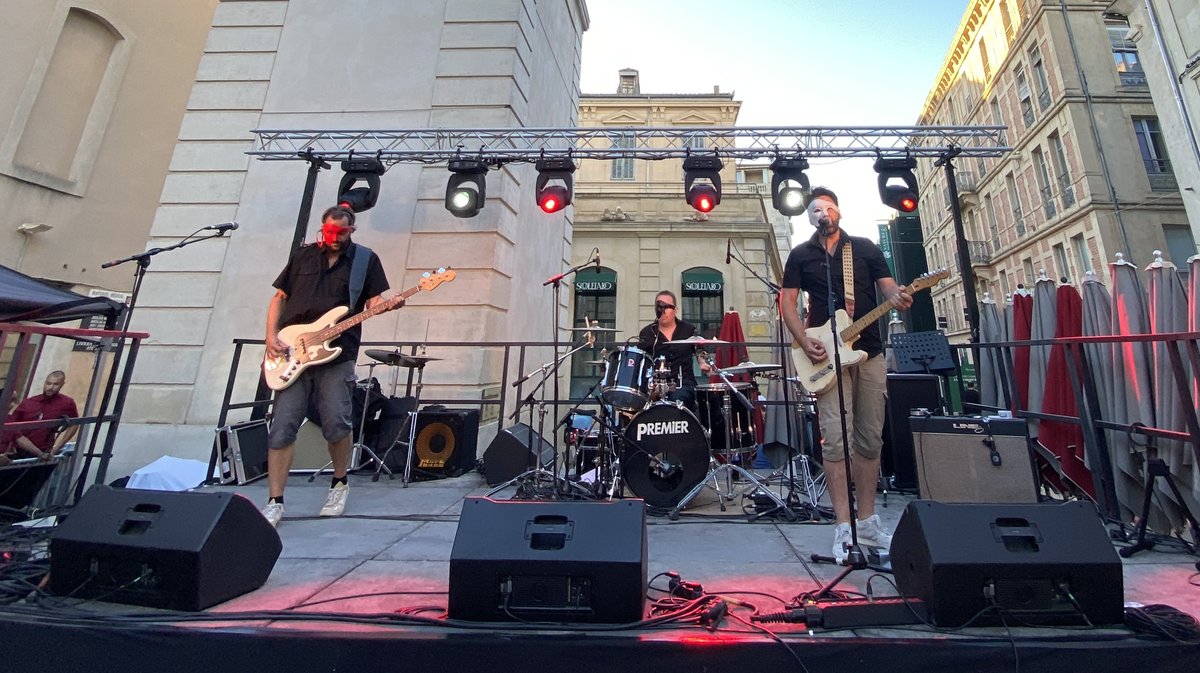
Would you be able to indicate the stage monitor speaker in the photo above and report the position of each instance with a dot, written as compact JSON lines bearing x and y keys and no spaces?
{"x":1025,"y":564}
{"x":513,"y":452}
{"x":905,"y":393}
{"x":445,"y":444}
{"x":972,"y":459}
{"x":162,"y":549}
{"x":555,"y":561}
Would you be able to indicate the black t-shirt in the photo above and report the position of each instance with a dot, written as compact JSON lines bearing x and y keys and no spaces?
{"x":313,"y":287}
{"x":679,"y":356}
{"x":805,"y":270}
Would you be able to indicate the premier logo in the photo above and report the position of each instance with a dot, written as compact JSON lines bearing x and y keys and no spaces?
{"x":662,"y":428}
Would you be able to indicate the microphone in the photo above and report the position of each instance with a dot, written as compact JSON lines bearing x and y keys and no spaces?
{"x":823,"y":223}
{"x":728,"y":249}
{"x":223,"y":227}
{"x":597,"y":261}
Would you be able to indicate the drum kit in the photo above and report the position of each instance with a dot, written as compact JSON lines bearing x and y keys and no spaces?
{"x":641,"y":440}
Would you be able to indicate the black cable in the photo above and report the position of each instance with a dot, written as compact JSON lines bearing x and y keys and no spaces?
{"x":1165,"y":621}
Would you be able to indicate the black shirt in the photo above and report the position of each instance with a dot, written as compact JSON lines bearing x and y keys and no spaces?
{"x":805,"y":270}
{"x":313,"y":287}
{"x":679,"y":356}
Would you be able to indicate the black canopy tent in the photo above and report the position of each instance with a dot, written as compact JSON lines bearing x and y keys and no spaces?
{"x":25,"y":298}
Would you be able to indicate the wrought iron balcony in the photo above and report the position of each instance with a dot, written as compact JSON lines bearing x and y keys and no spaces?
{"x":980,"y":251}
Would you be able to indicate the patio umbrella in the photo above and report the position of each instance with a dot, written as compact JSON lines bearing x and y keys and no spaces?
{"x":1022,"y":326}
{"x":1042,"y":327}
{"x":728,"y":356}
{"x":1194,"y":317}
{"x":1065,"y":440}
{"x":991,"y":373}
{"x":1168,"y":306}
{"x":1097,"y":321}
{"x":1129,"y":387}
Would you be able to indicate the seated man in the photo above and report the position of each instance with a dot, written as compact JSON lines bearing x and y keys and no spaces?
{"x":41,"y":443}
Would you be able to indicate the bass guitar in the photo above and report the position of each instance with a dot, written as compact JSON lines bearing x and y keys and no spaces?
{"x":308,"y":343}
{"x":817,"y":377}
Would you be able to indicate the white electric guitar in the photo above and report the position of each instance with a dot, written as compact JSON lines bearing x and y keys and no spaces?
{"x":308,"y":344}
{"x":817,"y":377}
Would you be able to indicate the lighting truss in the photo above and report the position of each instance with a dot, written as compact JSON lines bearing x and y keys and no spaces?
{"x":432,"y":146}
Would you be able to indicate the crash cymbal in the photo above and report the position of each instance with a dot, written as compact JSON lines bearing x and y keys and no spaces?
{"x":415,"y":360}
{"x":398,"y":359}
{"x":751,"y":368}
{"x":698,"y":341}
{"x":594,"y":329}
{"x":595,"y":362}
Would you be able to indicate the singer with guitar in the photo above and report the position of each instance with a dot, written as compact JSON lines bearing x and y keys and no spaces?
{"x":865,"y":384}
{"x":317,"y":279}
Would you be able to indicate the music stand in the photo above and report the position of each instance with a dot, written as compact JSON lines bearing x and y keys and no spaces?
{"x":923,"y":353}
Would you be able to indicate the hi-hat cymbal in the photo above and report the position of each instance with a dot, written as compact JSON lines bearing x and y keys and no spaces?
{"x":698,"y":341}
{"x":398,"y":359}
{"x":595,"y":362}
{"x":751,"y":368}
{"x":594,"y":329}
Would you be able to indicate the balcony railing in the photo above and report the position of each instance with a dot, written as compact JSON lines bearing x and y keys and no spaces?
{"x":966,"y":181}
{"x":980,"y":252}
{"x":1068,"y":193}
{"x":1048,"y":202}
{"x":1132,"y":78}
{"x":1027,"y":112}
{"x":1044,"y":99}
{"x":1162,"y":178}
{"x":1019,"y":221}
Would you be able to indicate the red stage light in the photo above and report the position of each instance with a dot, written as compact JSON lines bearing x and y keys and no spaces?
{"x":550,"y":204}
{"x":907,"y":205}
{"x":704,"y":204}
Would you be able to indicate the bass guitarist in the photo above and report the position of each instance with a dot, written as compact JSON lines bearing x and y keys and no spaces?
{"x":318,"y":278}
{"x":865,"y":385}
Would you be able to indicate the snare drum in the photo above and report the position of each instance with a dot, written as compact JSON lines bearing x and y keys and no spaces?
{"x":665,"y":454}
{"x":710,"y":399}
{"x":626,"y":383}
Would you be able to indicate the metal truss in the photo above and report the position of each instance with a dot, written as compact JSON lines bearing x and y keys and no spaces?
{"x":498,"y":146}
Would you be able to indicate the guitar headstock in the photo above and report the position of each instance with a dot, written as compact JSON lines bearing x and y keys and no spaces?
{"x":432,"y":279}
{"x":927,"y":280}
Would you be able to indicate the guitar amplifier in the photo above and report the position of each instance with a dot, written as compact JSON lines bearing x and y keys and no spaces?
{"x":973,"y":459}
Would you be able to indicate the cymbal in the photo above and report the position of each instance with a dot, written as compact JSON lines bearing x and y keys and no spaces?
{"x":698,"y":341}
{"x":595,"y":362}
{"x":398,"y":359}
{"x":751,"y":368}
{"x":594,"y":329}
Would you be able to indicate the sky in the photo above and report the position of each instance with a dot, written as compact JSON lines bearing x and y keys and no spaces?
{"x":790,"y":63}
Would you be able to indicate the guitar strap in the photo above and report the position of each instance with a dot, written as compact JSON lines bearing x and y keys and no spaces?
{"x":848,"y":276}
{"x":358,"y":271}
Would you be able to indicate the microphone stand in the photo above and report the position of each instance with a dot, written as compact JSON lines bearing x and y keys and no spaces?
{"x":855,"y":559}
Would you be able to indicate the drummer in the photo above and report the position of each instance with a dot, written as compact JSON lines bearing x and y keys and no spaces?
{"x":668,"y":327}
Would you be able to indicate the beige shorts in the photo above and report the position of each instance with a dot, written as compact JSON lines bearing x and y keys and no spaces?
{"x":866,"y":403}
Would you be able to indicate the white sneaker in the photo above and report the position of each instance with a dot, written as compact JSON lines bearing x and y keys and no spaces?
{"x":273,"y":512}
{"x":873,"y":529}
{"x":841,"y":542}
{"x":335,"y":502}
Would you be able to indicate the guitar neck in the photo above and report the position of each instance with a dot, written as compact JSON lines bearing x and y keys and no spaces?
{"x":333,"y":331}
{"x":879,"y":311}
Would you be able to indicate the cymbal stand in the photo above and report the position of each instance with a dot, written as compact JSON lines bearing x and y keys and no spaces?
{"x":728,"y":467}
{"x":410,"y":423}
{"x":537,"y":472}
{"x":360,"y":446}
{"x":797,"y":472}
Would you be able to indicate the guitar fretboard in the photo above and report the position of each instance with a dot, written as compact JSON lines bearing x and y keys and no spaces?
{"x":334,"y":330}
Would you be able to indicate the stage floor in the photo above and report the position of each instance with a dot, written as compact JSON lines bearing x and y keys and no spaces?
{"x":391,"y":552}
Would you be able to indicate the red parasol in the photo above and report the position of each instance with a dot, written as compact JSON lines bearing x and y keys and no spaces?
{"x":1022,"y":328}
{"x":1065,"y":440}
{"x":728,"y":356}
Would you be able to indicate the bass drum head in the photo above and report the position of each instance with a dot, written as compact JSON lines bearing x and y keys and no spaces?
{"x":670,"y":457}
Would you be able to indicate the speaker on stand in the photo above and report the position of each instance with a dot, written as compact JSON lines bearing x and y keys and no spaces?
{"x":515,"y":450}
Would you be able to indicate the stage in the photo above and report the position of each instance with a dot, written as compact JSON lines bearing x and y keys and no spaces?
{"x":347,"y":595}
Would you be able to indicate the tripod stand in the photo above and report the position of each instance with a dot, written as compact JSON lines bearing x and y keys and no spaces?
{"x":359,"y":446}
{"x":1155,"y":467}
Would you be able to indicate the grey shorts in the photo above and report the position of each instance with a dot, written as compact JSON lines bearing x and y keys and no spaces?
{"x":866,"y":401}
{"x":328,"y":389}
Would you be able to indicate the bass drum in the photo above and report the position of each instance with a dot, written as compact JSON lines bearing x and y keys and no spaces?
{"x":665,"y":455}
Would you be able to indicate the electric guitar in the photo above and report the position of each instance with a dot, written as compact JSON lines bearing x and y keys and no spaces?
{"x":817,"y":377}
{"x":308,"y":344}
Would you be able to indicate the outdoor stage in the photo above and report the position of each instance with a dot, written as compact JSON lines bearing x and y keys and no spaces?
{"x":367,"y":571}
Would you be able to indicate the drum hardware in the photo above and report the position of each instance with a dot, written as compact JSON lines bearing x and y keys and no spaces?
{"x":728,"y":468}
{"x":697,"y":341}
{"x":359,"y":446}
{"x":626,"y":381}
{"x":752,"y":369}
{"x":663,"y":381}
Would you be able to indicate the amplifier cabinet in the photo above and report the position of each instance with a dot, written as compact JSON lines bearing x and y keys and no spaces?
{"x":964,"y":459}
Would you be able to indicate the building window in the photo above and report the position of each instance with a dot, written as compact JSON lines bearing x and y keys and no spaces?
{"x":1014,"y":199}
{"x":1039,"y":78}
{"x":623,"y":168}
{"x":1180,"y":244}
{"x":1006,"y":19}
{"x":1027,"y":266}
{"x":997,"y":117}
{"x":1064,"y":173}
{"x":1082,"y":256}
{"x":991,"y":213}
{"x":1060,"y":261}
{"x":1154,"y":153}
{"x":1125,"y":56}
{"x":1043,"y":178}
{"x":595,"y":299}
{"x":1003,"y":286}
{"x":983,"y":57}
{"x":1023,"y":96}
{"x":703,"y":300}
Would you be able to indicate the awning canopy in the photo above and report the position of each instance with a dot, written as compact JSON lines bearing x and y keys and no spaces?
{"x":26,"y":298}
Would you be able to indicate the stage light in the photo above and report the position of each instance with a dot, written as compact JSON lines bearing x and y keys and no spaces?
{"x":789,"y":185}
{"x":365,"y":170}
{"x":902,"y":197}
{"x":554,"y":197}
{"x":467,"y":188}
{"x":703,"y":196}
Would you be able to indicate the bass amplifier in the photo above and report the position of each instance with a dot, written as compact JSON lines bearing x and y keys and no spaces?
{"x":972,"y":459}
